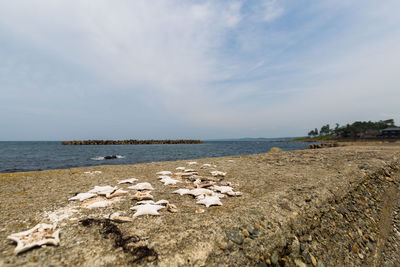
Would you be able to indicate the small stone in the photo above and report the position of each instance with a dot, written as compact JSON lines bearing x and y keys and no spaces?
{"x":361,"y":256}
{"x":261,"y":258}
{"x":295,"y":213}
{"x":299,"y":263}
{"x":389,"y":179}
{"x":275,"y":257}
{"x":321,"y":264}
{"x":313,"y":260}
{"x":235,"y":235}
{"x":268,"y":261}
{"x":245,"y":233}
{"x":355,"y":248}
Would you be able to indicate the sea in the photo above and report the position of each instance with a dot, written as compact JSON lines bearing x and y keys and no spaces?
{"x":42,"y":155}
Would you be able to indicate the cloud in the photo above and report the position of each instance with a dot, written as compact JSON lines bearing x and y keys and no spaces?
{"x":201,"y":68}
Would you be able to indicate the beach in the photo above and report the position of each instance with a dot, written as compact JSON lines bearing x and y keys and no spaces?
{"x":311,"y":207}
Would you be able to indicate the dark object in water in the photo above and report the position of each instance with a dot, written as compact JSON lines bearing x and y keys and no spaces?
{"x":110,"y":230}
{"x":110,"y":157}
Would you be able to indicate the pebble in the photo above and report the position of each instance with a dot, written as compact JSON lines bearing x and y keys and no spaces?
{"x":313,"y":260}
{"x":299,"y":263}
{"x":245,"y":233}
{"x":275,"y":257}
{"x":235,"y":235}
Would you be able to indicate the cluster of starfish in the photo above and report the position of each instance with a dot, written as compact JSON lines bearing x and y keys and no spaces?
{"x":204,"y":189}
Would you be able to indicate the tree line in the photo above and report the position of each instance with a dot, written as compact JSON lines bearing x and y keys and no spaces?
{"x":354,"y":129}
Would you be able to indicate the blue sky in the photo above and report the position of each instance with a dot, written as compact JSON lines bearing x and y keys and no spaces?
{"x":194,"y":69}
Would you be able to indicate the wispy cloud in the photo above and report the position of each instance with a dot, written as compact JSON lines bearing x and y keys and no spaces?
{"x":195,"y":68}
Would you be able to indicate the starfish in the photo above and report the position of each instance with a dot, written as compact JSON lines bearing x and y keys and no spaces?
{"x":103,"y":190}
{"x":127,"y":181}
{"x":164,"y":176}
{"x":142,"y":196}
{"x":39,"y":235}
{"x":164,"y":173}
{"x":218,"y":173}
{"x":147,"y":209}
{"x":117,"y":193}
{"x":192,"y":163}
{"x":207,"y":165}
{"x":182,"y":191}
{"x":142,"y":186}
{"x":201,"y":191}
{"x":189,"y":170}
{"x":116,"y":216}
{"x":82,"y":196}
{"x":98,"y":204}
{"x":210,"y":201}
{"x":222,"y":189}
{"x":180,"y":168}
{"x":169,"y":180}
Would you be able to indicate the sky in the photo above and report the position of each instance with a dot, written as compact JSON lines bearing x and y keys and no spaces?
{"x":178,"y":69}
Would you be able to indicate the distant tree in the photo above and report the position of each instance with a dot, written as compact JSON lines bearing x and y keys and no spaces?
{"x":325,"y":130}
{"x":313,"y":133}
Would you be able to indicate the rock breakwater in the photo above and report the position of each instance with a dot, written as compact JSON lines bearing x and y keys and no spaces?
{"x":130,"y":142}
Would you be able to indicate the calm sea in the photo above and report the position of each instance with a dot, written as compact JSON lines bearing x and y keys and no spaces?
{"x":28,"y":156}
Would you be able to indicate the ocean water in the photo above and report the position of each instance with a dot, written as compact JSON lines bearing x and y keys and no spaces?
{"x":29,"y":156}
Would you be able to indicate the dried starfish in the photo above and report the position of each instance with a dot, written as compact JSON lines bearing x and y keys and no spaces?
{"x":82,"y":196}
{"x":103,"y":190}
{"x":164,"y":173}
{"x":210,"y":201}
{"x":41,"y":234}
{"x":142,"y":195}
{"x":147,"y":209}
{"x":142,"y":186}
{"x":128,"y":181}
{"x":117,"y":193}
{"x":218,"y":173}
{"x":169,"y":180}
{"x":182,"y":191}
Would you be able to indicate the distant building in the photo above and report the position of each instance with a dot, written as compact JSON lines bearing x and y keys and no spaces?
{"x":390,"y":133}
{"x":371,"y":133}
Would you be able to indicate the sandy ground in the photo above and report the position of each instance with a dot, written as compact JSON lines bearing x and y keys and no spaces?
{"x":320,"y":207}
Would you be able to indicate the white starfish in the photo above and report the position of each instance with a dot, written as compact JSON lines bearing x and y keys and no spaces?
{"x":142,"y":195}
{"x":147,"y":209}
{"x":164,"y":173}
{"x":99,"y":204}
{"x":41,"y":234}
{"x":162,"y":202}
{"x":189,"y":170}
{"x":116,"y":216}
{"x":222,"y":189}
{"x":82,"y":196}
{"x":128,"y":181}
{"x":210,"y":201}
{"x":163,"y":176}
{"x":192,"y":163}
{"x":117,"y":193}
{"x":142,"y":186}
{"x":180,"y":168}
{"x":185,"y":174}
{"x":207,"y":165}
{"x":218,"y":173}
{"x":201,"y":191}
{"x":103,"y":190}
{"x":182,"y":191}
{"x":169,"y":180}
{"x":234,"y":194}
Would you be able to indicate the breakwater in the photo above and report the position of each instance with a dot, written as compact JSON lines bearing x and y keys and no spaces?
{"x":130,"y":142}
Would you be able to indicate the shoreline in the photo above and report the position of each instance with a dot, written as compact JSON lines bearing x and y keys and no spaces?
{"x":296,"y":206}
